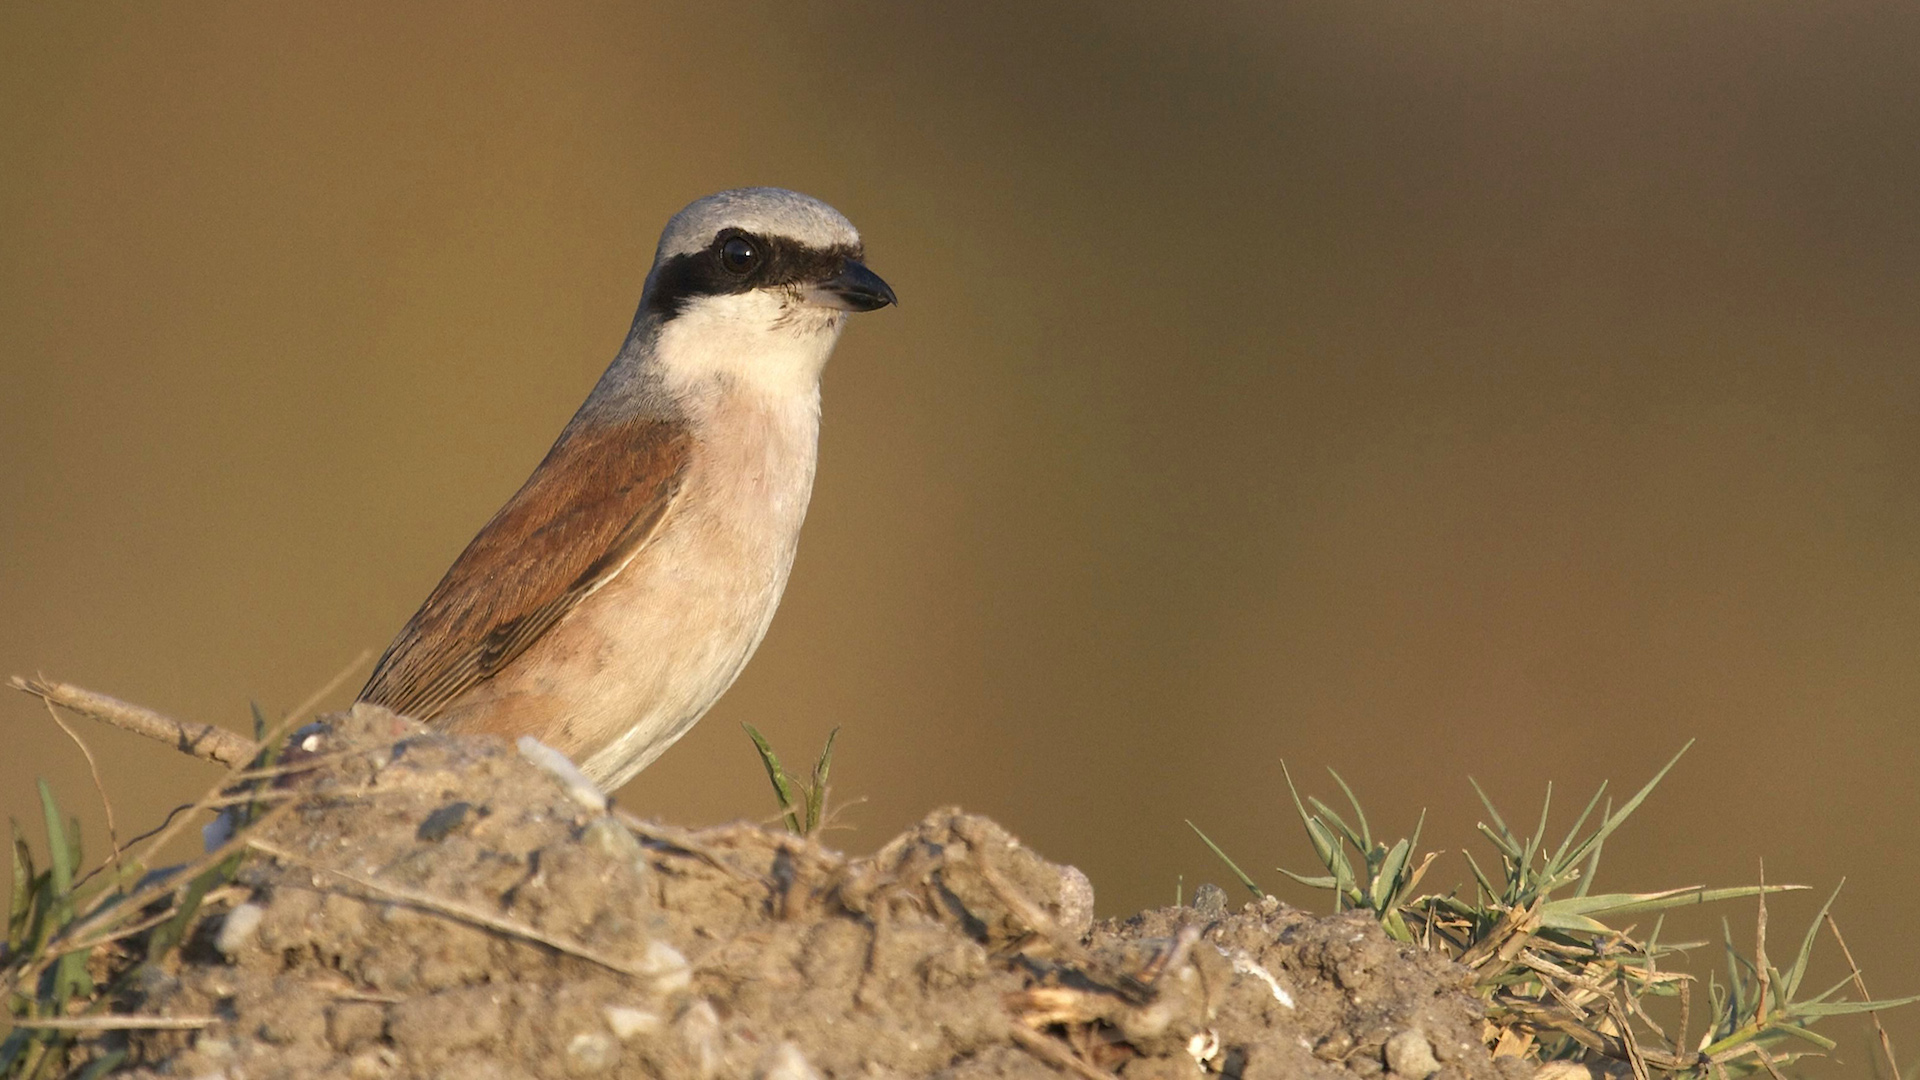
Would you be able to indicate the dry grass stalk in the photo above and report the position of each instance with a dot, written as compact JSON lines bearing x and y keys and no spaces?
{"x":204,"y":741}
{"x":457,"y":910}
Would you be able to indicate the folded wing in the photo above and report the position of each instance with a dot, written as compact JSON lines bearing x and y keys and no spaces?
{"x":587,"y":511}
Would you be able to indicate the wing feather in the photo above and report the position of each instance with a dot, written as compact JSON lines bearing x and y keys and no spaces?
{"x":584,"y":514}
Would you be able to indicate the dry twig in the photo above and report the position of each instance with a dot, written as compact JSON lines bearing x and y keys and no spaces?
{"x":457,"y":910}
{"x":99,"y":785}
{"x":204,"y":741}
{"x":1860,"y":984}
{"x":117,"y":1023}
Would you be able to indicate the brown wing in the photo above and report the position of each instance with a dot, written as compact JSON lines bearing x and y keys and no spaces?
{"x":589,"y":507}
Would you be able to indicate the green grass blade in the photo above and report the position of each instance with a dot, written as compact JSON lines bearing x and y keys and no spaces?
{"x":1662,"y":900}
{"x":1539,"y":833}
{"x":1323,"y":882}
{"x":1328,"y":813}
{"x":103,"y":1065}
{"x":1619,"y":817}
{"x":1559,"y":858}
{"x":1479,"y":877}
{"x":1386,"y":880}
{"x":817,"y":793}
{"x":1591,"y":872}
{"x":1848,"y":1008}
{"x":1799,"y":969}
{"x":1321,"y":850}
{"x":60,"y":856}
{"x":1366,"y":834}
{"x":1342,"y":868}
{"x":1509,"y":851}
{"x":1798,"y":1032}
{"x":781,"y":789}
{"x":20,"y":901}
{"x":1231,"y":865}
{"x":1498,"y":821}
{"x":63,"y":850}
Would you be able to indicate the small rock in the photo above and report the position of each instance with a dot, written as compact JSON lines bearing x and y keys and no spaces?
{"x":667,"y":967}
{"x":1210,"y":901}
{"x":626,"y":1022}
{"x":590,"y":1052}
{"x":1411,"y":1056}
{"x":443,"y":822}
{"x":1334,"y":1047}
{"x":607,"y":837}
{"x":373,"y":1065}
{"x":238,"y":928}
{"x":786,"y":1062}
{"x":558,"y":765}
{"x":1074,"y":909}
{"x":699,"y":1031}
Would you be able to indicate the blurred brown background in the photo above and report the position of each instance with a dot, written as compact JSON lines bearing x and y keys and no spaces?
{"x":1420,"y":390}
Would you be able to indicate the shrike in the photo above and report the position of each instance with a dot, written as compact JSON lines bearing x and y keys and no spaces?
{"x":623,"y":587}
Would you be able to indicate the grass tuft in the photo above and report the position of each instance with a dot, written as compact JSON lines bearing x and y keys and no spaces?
{"x":803,"y":803}
{"x":74,"y":952}
{"x":1561,"y":978}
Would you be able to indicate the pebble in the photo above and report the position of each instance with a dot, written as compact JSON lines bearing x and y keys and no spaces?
{"x":1409,"y":1055}
{"x":238,"y":928}
{"x":786,"y":1062}
{"x":666,"y":966}
{"x":626,"y":1021}
{"x":591,"y":1052}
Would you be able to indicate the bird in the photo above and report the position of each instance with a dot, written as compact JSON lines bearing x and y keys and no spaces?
{"x":620,"y":591}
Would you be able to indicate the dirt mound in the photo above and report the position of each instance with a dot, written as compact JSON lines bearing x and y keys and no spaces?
{"x":442,"y":906}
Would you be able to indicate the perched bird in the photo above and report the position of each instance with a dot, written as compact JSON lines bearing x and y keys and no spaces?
{"x":623,"y":587}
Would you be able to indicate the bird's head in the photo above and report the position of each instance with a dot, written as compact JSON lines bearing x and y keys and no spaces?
{"x":752,"y":287}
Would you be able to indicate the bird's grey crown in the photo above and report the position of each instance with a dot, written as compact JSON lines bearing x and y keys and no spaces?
{"x":763,"y":211}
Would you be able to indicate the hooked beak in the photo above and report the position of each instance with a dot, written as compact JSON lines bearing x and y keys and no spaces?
{"x":854,"y":288}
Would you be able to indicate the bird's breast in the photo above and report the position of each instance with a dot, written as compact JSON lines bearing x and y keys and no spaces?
{"x":632,"y":668}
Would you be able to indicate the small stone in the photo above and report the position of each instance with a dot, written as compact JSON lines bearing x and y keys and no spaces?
{"x":606,"y":837}
{"x":786,"y":1062}
{"x":557,"y":764}
{"x":1074,"y":909}
{"x":626,"y":1022}
{"x":1411,"y":1056}
{"x":699,"y":1031}
{"x":1567,"y":1070}
{"x":1334,"y":1047}
{"x":443,"y":822}
{"x":591,"y":1052}
{"x":667,"y":967}
{"x":1210,"y":901}
{"x":238,"y":928}
{"x":373,"y":1065}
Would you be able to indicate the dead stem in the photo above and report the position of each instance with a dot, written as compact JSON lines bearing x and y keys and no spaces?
{"x":117,"y":1023}
{"x":1860,"y":984}
{"x":99,"y":785}
{"x":204,"y":741}
{"x":464,"y":912}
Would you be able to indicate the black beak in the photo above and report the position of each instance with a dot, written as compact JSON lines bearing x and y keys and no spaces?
{"x":854,"y":288}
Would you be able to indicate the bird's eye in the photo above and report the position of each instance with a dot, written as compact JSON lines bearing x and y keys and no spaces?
{"x":739,"y":255}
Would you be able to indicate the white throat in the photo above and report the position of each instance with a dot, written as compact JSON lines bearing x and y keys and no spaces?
{"x":768,"y":341}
